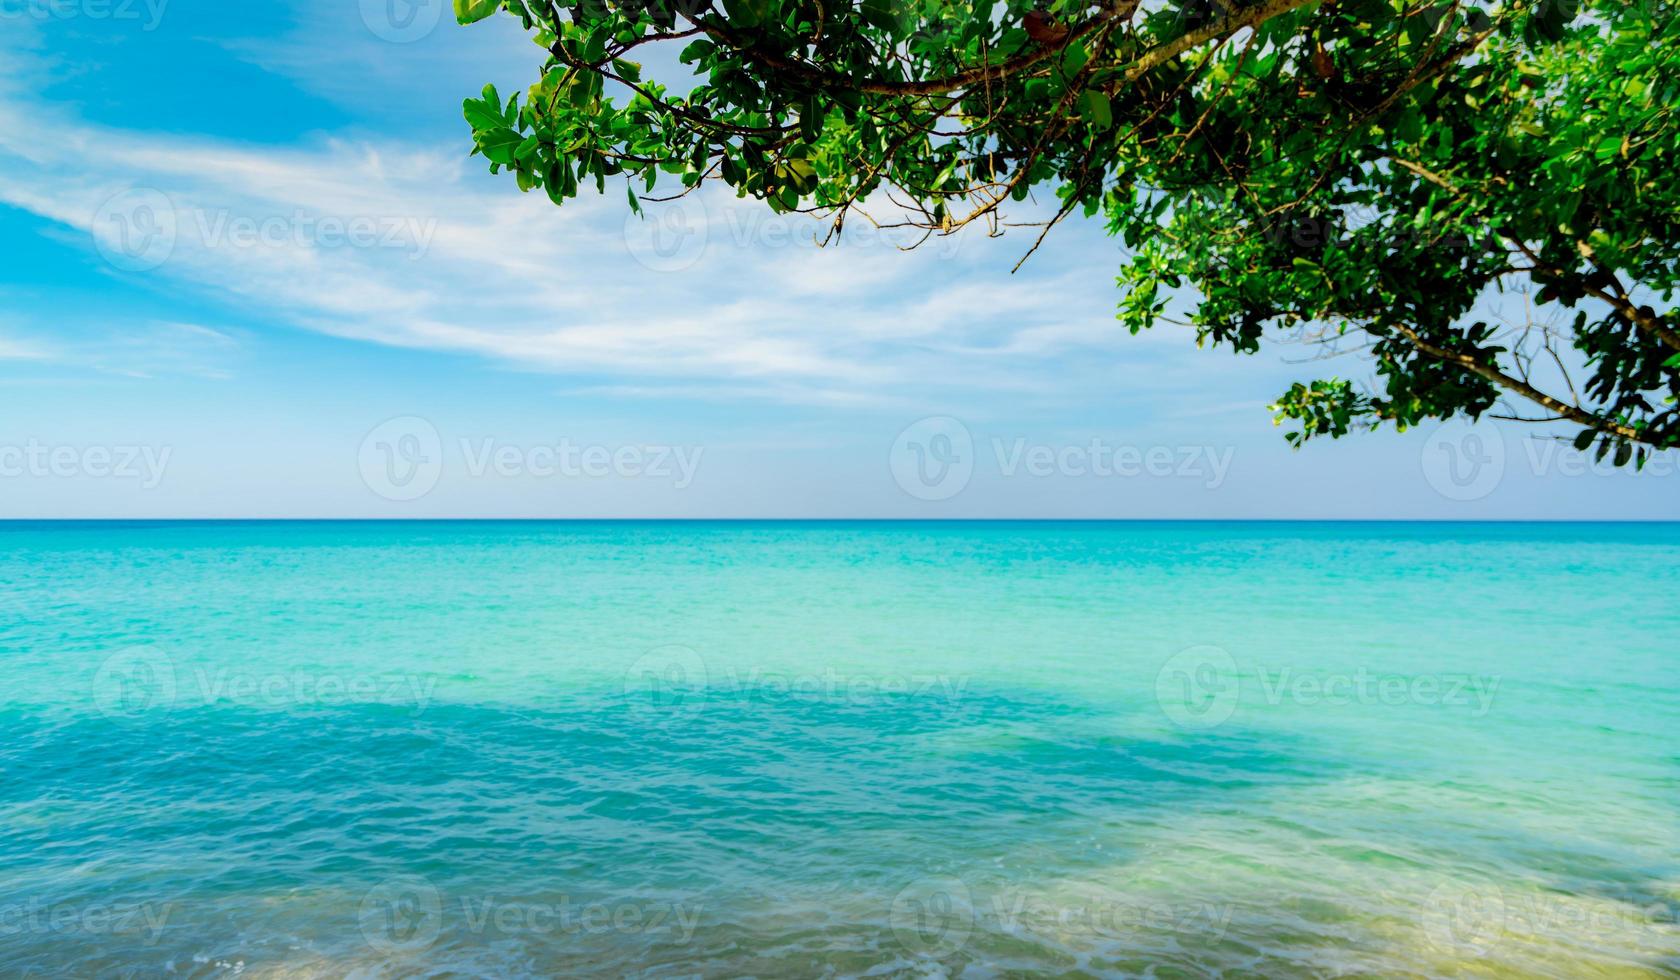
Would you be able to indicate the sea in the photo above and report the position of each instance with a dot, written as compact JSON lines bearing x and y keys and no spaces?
{"x":839,"y":749}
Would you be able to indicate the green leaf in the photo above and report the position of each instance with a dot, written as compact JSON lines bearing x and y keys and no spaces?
{"x":746,"y":13}
{"x":1558,"y":130}
{"x":499,"y":144}
{"x":595,"y":48}
{"x":558,"y":181}
{"x":482,"y":116}
{"x":881,"y":13}
{"x":1074,"y":59}
{"x":1095,"y":108}
{"x":473,"y":11}
{"x":804,"y":176}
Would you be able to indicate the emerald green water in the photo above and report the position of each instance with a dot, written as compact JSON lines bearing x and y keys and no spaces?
{"x":977,"y":750}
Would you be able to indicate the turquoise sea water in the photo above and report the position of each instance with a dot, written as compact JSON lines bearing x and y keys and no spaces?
{"x":978,"y":750}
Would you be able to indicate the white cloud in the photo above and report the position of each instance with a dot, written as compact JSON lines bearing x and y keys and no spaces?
{"x":17,"y":350}
{"x":452,"y":259}
{"x":130,"y":348}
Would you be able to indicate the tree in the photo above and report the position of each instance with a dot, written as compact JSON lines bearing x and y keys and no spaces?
{"x":1363,"y":175}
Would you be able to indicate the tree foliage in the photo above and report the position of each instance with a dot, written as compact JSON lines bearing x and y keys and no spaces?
{"x":1391,"y":177}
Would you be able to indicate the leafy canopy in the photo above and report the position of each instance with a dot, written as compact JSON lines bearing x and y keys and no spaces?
{"x":1391,"y":177}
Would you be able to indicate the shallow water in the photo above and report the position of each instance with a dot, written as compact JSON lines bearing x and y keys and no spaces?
{"x":805,"y":749}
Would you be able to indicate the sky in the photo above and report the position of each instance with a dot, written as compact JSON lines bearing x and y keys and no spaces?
{"x":251,"y":271}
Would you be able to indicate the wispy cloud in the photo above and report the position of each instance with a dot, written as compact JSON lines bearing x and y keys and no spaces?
{"x":414,"y":246}
{"x":133,"y":348}
{"x":17,"y":350}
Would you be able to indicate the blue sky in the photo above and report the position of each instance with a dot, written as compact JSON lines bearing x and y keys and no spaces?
{"x":250,"y":271}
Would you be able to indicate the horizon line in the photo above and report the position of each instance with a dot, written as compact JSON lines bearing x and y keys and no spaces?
{"x":830,"y":520}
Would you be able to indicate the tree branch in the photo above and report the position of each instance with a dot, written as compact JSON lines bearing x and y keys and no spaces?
{"x":1573,"y":413}
{"x":823,"y":79}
